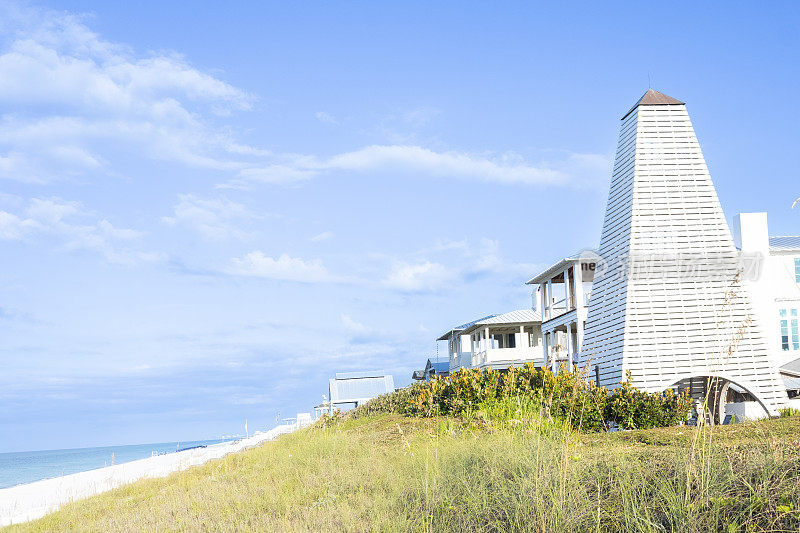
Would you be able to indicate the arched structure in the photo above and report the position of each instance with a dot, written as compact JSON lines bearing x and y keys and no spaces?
{"x":712,"y":391}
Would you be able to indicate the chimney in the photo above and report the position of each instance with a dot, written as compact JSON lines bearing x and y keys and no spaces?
{"x":751,"y":233}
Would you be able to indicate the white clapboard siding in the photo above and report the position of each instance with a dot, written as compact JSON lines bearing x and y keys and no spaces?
{"x":661,"y":323}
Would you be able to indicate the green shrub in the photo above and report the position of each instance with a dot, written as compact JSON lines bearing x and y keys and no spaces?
{"x":566,"y":396}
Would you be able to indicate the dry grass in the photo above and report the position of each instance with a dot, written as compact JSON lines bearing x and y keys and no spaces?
{"x":495,"y":472}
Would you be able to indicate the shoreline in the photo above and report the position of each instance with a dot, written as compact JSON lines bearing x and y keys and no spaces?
{"x":30,"y":501}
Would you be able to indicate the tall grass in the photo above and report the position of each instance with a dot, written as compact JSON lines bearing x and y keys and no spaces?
{"x":501,"y":467}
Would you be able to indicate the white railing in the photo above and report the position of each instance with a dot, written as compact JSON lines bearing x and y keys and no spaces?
{"x":506,"y":354}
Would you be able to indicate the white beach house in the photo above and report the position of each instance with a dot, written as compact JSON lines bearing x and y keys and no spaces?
{"x":563,"y":294}
{"x":669,"y":297}
{"x":496,"y":341}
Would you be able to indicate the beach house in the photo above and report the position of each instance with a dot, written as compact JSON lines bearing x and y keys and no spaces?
{"x":496,"y":341}
{"x":431,"y":370}
{"x":563,"y":294}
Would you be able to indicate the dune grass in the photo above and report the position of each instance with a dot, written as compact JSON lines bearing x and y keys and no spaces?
{"x":497,"y":469}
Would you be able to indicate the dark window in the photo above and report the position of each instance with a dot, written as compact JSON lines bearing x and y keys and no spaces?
{"x":512,"y":341}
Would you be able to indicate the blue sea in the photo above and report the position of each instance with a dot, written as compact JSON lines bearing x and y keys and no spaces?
{"x":24,"y":467}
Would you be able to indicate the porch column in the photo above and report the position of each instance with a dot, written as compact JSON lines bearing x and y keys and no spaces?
{"x":522,"y":343}
{"x":549,"y":298}
{"x":486,"y":335}
{"x":569,"y":347}
{"x":543,"y":298}
{"x":580,"y":310}
{"x":546,"y":347}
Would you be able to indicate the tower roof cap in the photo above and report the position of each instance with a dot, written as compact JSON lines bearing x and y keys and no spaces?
{"x":653,"y":97}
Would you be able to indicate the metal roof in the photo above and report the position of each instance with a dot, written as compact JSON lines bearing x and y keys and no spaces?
{"x":653,"y":97}
{"x":792,"y":367}
{"x":358,"y":386}
{"x":587,"y":256}
{"x":787,"y":243}
{"x":462,"y":327}
{"x":521,"y":316}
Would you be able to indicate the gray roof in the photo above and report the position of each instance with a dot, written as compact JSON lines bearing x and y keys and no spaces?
{"x":352,"y":386}
{"x":552,"y":269}
{"x":653,"y":97}
{"x":792,"y":367}
{"x":521,"y":316}
{"x":586,"y":256}
{"x":787,"y":243}
{"x":462,"y":327}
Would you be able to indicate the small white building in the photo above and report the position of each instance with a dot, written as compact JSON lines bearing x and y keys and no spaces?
{"x":496,"y":341}
{"x":348,"y":390}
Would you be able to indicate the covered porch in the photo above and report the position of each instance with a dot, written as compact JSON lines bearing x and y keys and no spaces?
{"x":506,"y":340}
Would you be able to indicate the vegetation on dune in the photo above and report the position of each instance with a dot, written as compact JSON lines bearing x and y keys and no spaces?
{"x":566,"y":396}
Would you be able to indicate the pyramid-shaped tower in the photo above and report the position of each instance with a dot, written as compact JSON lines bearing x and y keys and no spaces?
{"x":669,"y":303}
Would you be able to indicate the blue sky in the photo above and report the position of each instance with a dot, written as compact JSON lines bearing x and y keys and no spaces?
{"x":206,"y":213}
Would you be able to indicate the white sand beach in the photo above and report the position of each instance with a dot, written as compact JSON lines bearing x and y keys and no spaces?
{"x":34,"y":500}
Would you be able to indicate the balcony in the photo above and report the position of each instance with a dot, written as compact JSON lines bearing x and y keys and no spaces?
{"x":500,"y":356}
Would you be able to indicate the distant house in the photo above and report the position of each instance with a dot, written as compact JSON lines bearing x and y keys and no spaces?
{"x":458,"y":345}
{"x":496,"y":341}
{"x":350,"y":389}
{"x":438,"y":368}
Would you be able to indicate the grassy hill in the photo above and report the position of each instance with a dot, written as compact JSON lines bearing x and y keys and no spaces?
{"x":505,"y":470}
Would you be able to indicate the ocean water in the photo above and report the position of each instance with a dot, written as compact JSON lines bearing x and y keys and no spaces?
{"x":24,"y":467}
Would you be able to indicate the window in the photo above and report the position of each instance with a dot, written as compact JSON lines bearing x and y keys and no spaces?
{"x":499,"y":340}
{"x":797,"y":270}
{"x":512,"y":341}
{"x":795,"y":333}
{"x":784,"y":331}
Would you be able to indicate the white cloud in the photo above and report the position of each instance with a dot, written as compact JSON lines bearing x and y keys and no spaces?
{"x":424,"y":276}
{"x":216,"y":219}
{"x":74,"y":229}
{"x":283,"y":174}
{"x":447,"y":164}
{"x":445,"y":265}
{"x":509,"y":168}
{"x":285,"y":268}
{"x":323,"y":116}
{"x":353,"y":326}
{"x":324,"y":236}
{"x":157,"y":105}
{"x":14,"y":228}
